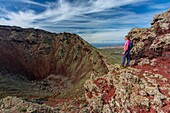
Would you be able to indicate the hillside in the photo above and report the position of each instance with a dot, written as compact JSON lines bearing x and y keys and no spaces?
{"x":38,"y":54}
{"x":48,"y":61}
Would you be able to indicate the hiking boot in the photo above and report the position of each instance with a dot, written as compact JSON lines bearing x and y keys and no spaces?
{"x":121,"y":67}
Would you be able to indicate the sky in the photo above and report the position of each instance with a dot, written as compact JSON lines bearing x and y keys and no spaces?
{"x":96,"y":21}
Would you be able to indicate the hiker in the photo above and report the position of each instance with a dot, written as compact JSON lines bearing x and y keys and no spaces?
{"x":126,"y":54}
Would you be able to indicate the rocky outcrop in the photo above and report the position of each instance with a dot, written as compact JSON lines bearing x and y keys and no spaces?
{"x":154,"y":41}
{"x":39,"y":54}
{"x":126,"y":91}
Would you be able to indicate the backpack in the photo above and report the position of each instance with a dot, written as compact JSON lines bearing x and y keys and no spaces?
{"x":131,"y":45}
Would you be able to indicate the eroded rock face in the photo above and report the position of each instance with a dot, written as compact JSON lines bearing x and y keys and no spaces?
{"x":38,"y":54}
{"x":154,"y":41}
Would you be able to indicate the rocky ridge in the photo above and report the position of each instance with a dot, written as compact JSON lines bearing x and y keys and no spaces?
{"x":143,"y":88}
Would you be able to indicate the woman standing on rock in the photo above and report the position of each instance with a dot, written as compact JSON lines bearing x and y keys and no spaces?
{"x":126,"y":54}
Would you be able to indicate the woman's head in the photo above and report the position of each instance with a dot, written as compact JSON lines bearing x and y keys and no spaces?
{"x":127,"y":38}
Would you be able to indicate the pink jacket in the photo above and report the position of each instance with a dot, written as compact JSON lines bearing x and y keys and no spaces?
{"x":125,"y":46}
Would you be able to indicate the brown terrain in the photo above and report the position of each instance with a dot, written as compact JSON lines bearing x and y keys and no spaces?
{"x":38,"y":55}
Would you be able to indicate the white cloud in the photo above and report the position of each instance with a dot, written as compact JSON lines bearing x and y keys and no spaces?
{"x":58,"y":11}
{"x":63,"y":15}
{"x":31,"y":2}
{"x":23,"y":19}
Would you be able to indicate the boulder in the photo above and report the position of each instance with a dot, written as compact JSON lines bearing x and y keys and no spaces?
{"x":154,"y":41}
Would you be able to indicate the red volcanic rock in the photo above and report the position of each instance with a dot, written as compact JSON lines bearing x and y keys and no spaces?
{"x":37,"y":54}
{"x":154,"y":41}
{"x":89,"y":95}
{"x":161,"y":66}
{"x":108,"y":92}
{"x":128,"y":90}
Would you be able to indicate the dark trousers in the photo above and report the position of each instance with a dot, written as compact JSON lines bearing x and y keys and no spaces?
{"x":124,"y":57}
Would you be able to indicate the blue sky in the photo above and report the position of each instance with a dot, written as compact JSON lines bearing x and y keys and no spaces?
{"x":97,"y":21}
